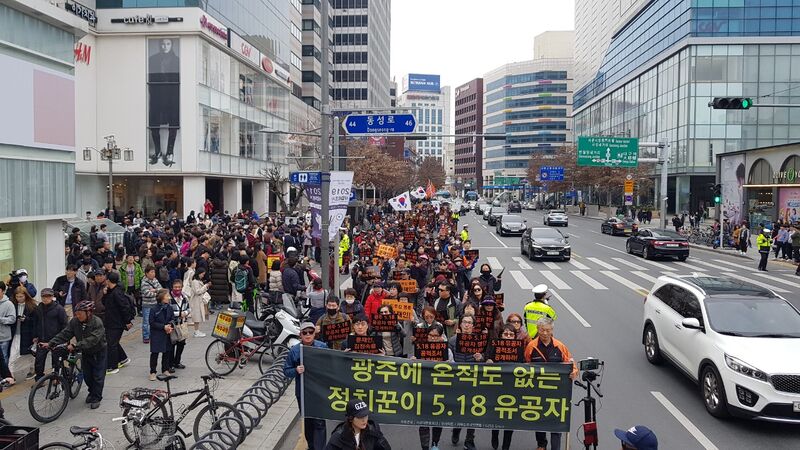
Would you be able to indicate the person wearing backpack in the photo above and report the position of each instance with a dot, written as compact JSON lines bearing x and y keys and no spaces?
{"x":162,"y":273}
{"x":244,"y":281}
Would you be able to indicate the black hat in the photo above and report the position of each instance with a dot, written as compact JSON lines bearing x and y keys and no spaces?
{"x":113,"y":277}
{"x":357,"y":408}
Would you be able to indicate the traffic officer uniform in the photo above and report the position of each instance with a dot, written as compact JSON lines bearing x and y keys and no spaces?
{"x":764,"y":243}
{"x":344,"y":246}
{"x":465,"y":234}
{"x":536,"y":309}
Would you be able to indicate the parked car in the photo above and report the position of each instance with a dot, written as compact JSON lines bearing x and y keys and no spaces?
{"x":545,"y":243}
{"x":556,"y":217}
{"x":736,"y":340}
{"x":510,"y":224}
{"x":514,"y":206}
{"x":615,"y":226}
{"x":494,"y":215}
{"x":484,"y":210}
{"x":654,"y":243}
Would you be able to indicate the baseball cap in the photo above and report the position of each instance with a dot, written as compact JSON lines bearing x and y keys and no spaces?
{"x":638,"y":437}
{"x":48,"y":291}
{"x":305,"y":325}
{"x":357,"y":408}
{"x":540,"y":289}
{"x":113,"y":277}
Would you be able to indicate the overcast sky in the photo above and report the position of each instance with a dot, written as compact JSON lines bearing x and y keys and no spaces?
{"x":463,"y":39}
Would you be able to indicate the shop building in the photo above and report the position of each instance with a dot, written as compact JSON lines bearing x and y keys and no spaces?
{"x":430,"y":103}
{"x":469,"y":150}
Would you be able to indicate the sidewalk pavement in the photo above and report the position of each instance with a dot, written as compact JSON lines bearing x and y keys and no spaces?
{"x":267,"y":435}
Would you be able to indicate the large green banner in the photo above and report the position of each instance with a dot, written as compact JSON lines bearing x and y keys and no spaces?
{"x":428,"y":393}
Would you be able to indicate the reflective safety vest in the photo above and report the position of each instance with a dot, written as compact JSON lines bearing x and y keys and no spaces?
{"x":455,"y":216}
{"x":763,"y":242}
{"x":534,"y":311}
{"x":464,"y":235}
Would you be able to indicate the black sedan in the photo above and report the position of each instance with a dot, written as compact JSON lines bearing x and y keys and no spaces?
{"x":511,"y":224}
{"x":514,"y":206}
{"x":654,"y":243}
{"x":494,"y":215}
{"x":615,"y":226}
{"x":545,"y":243}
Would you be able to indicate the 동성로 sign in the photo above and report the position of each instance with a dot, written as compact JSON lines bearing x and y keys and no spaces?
{"x":441,"y":394}
{"x":608,"y":151}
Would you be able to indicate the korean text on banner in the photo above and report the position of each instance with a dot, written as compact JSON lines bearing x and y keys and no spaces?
{"x":341,"y":185}
{"x":427,"y":393}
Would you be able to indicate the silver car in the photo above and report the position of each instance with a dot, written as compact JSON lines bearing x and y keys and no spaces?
{"x":556,"y":217}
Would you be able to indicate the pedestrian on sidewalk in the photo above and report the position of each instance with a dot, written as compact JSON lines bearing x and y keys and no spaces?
{"x":744,"y":238}
{"x":119,"y":317}
{"x":315,"y":430}
{"x":795,"y":241}
{"x":25,"y":332}
{"x":161,"y":319}
{"x":764,"y":243}
{"x":181,"y":312}
{"x":50,"y":319}
{"x":150,"y":288}
{"x":197,"y":301}
{"x":90,"y":337}
{"x":357,"y":431}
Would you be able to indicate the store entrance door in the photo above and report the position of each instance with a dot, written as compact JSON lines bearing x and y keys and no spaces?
{"x":214,"y":192}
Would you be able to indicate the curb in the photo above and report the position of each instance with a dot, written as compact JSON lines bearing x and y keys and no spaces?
{"x":284,"y":434}
{"x":721,"y":252}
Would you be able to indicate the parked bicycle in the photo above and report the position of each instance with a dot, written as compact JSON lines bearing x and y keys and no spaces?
{"x":149,"y":418}
{"x":50,"y":395}
{"x":223,"y":356}
{"x":91,"y":439}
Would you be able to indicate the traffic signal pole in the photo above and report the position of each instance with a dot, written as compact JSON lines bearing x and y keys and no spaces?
{"x":324,"y":147}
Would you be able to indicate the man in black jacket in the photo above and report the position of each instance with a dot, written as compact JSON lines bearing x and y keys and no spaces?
{"x":51,"y":319}
{"x":69,"y":289}
{"x":118,"y":318}
{"x":290,"y":278}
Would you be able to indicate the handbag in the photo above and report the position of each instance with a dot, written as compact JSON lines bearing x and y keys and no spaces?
{"x":175,"y":336}
{"x":184,"y":330}
{"x":206,"y":297}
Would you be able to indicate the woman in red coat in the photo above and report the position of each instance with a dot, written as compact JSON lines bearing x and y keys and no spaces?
{"x":374,"y":300}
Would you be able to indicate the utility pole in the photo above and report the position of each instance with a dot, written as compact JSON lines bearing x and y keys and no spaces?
{"x":663,"y":160}
{"x":324,"y":143}
{"x":337,"y":165}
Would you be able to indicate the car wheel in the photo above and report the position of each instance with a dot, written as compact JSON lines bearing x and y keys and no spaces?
{"x":530,"y":254}
{"x":682,"y":258}
{"x":628,"y":248}
{"x":646,"y":253}
{"x":651,"y":349}
{"x":501,"y":233}
{"x":522,"y":249}
{"x":713,"y":392}
{"x":602,"y":230}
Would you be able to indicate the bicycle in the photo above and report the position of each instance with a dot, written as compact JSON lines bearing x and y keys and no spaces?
{"x":57,"y":387}
{"x":4,"y":383}
{"x":222,"y":356}
{"x":148,"y":415}
{"x":91,"y":439}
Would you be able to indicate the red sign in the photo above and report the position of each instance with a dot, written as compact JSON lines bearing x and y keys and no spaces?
{"x":82,"y":53}
{"x":266,"y":64}
{"x":211,"y":27}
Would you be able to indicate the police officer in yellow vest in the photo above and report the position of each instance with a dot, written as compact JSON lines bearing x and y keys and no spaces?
{"x":455,"y":216}
{"x":465,"y":233}
{"x":537,"y":308}
{"x":764,"y":243}
{"x":344,"y":244}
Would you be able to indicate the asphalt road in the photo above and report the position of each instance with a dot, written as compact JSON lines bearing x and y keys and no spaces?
{"x":598,"y":296}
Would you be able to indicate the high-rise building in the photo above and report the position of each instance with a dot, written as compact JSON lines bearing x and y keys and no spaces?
{"x":531,"y":103}
{"x":430,"y":104}
{"x":664,"y":64}
{"x":469,"y":150}
{"x":42,"y":48}
{"x":361,"y":49}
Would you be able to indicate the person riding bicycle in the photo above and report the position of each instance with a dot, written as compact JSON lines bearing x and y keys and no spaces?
{"x":90,"y":336}
{"x":537,"y":308}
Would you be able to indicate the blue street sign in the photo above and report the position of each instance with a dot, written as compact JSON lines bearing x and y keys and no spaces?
{"x":380,"y":123}
{"x":306,"y":177}
{"x":551,"y":173}
{"x":352,"y":194}
{"x":569,"y":194}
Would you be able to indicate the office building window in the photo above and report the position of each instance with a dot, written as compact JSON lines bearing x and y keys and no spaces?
{"x":350,"y":38}
{"x":296,"y":32}
{"x":350,"y":57}
{"x":346,"y":4}
{"x":350,"y":21}
{"x":310,"y":25}
{"x":297,"y":61}
{"x":349,"y":75}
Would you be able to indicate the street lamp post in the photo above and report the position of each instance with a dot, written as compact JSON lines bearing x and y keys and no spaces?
{"x":109,"y":153}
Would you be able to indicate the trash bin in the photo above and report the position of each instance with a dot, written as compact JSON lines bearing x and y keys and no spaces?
{"x":19,"y":438}
{"x":228,"y":325}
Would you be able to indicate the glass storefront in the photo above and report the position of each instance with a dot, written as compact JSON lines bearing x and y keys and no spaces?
{"x":149,"y":194}
{"x":760,"y":206}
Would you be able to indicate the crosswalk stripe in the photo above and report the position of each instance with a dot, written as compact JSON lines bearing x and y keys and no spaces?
{"x":602,"y":264}
{"x":738,"y":266}
{"x":523,"y":282}
{"x":669,"y":274}
{"x":552,"y":278}
{"x":691,"y":267}
{"x":713,"y":266}
{"x":589,"y":280}
{"x":659,"y":265}
{"x":757,"y":283}
{"x":521,"y":262}
{"x":624,"y":281}
{"x":578,"y":264}
{"x":552,"y":265}
{"x":644,"y":275}
{"x":494,"y":263}
{"x":629,"y":264}
{"x":779,"y":280}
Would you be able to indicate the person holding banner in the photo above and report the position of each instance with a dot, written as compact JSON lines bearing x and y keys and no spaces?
{"x":427,"y":440}
{"x":357,"y":432}
{"x":362,"y":339}
{"x":392,"y":340}
{"x":315,"y":430}
{"x":544,"y":348}
{"x":492,"y":316}
{"x":515,"y":320}
{"x":460,"y":354}
{"x":508,"y":334}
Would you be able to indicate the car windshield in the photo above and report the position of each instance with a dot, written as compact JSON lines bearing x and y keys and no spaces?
{"x":546,"y":233}
{"x":753,"y":317}
{"x":557,"y":211}
{"x":514,"y":219}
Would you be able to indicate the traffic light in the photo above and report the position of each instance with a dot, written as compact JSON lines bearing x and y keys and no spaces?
{"x":731,"y":103}
{"x":717,"y":188}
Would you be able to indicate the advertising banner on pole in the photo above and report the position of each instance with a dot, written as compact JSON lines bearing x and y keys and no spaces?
{"x":441,"y":394}
{"x":339,"y":198}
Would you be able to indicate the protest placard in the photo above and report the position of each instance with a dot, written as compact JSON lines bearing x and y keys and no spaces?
{"x":386,"y":251}
{"x":409,"y":286}
{"x":363,"y":344}
{"x":404,"y":310}
{"x":507,"y":350}
{"x":430,"y":351}
{"x":335,"y":331}
{"x":381,"y":322}
{"x":471,"y":343}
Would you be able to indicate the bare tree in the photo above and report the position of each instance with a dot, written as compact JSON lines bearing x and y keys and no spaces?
{"x":430,"y":170}
{"x":276,"y":182}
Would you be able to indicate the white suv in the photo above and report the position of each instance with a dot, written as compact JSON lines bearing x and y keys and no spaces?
{"x":740,"y":342}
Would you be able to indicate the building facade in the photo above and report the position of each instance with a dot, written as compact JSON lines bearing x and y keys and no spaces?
{"x":361,"y":34}
{"x":656,"y":86}
{"x":40,"y":48}
{"x":469,"y":150}
{"x":531,"y":103}
{"x":190,"y":92}
{"x":424,"y":97}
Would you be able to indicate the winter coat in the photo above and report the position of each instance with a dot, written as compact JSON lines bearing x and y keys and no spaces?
{"x":371,"y":438}
{"x":78,"y":290}
{"x":373,"y":304}
{"x":275,"y":281}
{"x":291,"y":281}
{"x":263,"y":270}
{"x":160,"y":316}
{"x":138,"y":274}
{"x":492,"y":284}
{"x":220,"y":285}
{"x":180,"y":305}
{"x":396,"y":338}
{"x":28,"y":330}
{"x":150,"y":290}
{"x":351,"y":310}
{"x":8,"y":317}
{"x":198,"y":288}
{"x":119,"y":312}
{"x":94,"y":292}
{"x":50,"y":320}
{"x":90,"y":336}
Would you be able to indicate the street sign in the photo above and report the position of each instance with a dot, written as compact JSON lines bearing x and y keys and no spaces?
{"x":628,"y":200}
{"x":608,"y":151}
{"x":628,"y":177}
{"x":306,"y":177}
{"x":628,"y":187}
{"x":380,"y":124}
{"x":551,"y":173}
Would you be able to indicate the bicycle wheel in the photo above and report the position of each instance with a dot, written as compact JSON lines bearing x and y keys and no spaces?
{"x":76,"y":381}
{"x":57,"y":445}
{"x":270,"y":354}
{"x":48,"y":398}
{"x":209,"y":414}
{"x":132,"y":429}
{"x":222,"y":357}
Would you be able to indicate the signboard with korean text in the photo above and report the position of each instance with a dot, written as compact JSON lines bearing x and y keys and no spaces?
{"x":404,"y":310}
{"x":551,"y":173}
{"x":608,"y":151}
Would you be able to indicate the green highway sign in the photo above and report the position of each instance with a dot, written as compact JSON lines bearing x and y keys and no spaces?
{"x":608,"y":151}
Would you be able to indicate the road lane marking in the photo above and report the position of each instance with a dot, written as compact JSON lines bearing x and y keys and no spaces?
{"x":573,"y":234}
{"x":494,"y":263}
{"x":552,"y":265}
{"x":523,"y":282}
{"x":629,"y":264}
{"x":669,"y":274}
{"x":577,"y":264}
{"x":738,"y":266}
{"x":552,"y":278}
{"x":683,"y":420}
{"x":612,"y":248}
{"x":647,"y":277}
{"x":779,"y":280}
{"x":757,"y":283}
{"x":521,"y":262}
{"x":484,"y":226}
{"x":718,"y":267}
{"x":571,"y":309}
{"x":589,"y":280}
{"x":625,"y":282}
{"x":595,"y":232}
{"x":689,"y":266}
{"x":659,"y":265}
{"x":602,"y":264}
{"x":498,"y":240}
